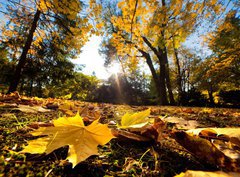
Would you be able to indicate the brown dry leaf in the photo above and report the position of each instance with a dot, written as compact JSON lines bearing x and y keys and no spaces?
{"x":226,"y":140}
{"x":10,"y":97}
{"x":151,"y":132}
{"x":232,"y":133}
{"x":228,"y":149}
{"x":182,"y":123}
{"x":191,"y":173}
{"x":68,"y":108}
{"x":31,"y":109}
{"x":52,"y":105}
{"x":36,"y":125}
{"x":123,"y":134}
{"x":155,"y":130}
{"x":188,"y":110}
{"x":89,"y":113}
{"x":205,"y":151}
{"x":208,"y":133}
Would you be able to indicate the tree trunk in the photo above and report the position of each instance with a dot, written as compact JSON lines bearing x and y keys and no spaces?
{"x":30,"y":87}
{"x":162,"y":79}
{"x":39,"y":87}
{"x":21,"y":86}
{"x":210,"y":94}
{"x":158,"y":84}
{"x":161,"y":84}
{"x":163,"y":53}
{"x":167,"y":76}
{"x":22,"y":60}
{"x":179,"y":79}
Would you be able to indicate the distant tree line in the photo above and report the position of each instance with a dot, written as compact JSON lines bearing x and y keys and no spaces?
{"x":40,"y":37}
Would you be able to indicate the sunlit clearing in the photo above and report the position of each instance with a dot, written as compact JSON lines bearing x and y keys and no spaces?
{"x":114,"y":69}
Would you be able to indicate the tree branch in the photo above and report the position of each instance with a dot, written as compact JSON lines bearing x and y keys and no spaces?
{"x":134,"y":13}
{"x":155,"y":51}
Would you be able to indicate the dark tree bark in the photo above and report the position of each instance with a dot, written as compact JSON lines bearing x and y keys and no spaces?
{"x":30,"y":87}
{"x":161,"y":84}
{"x":162,"y":78}
{"x":22,"y":59}
{"x":179,"y":79}
{"x":39,"y":87}
{"x":167,"y":76}
{"x":210,"y":94}
{"x":161,"y":89}
{"x":163,"y":52}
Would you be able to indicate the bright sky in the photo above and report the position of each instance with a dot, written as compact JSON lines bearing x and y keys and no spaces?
{"x":93,"y":61}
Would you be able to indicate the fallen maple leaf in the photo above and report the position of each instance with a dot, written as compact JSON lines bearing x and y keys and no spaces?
{"x":68,"y":108}
{"x":206,"y":151}
{"x":140,"y":127}
{"x":181,"y":123}
{"x":82,"y":140}
{"x":227,"y":140}
{"x":123,"y":134}
{"x":135,"y":120}
{"x":31,"y":109}
{"x":233,"y":134}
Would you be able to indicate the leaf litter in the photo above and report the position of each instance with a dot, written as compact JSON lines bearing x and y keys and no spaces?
{"x":161,"y":154}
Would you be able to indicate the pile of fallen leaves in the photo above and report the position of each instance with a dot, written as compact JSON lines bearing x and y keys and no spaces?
{"x":82,"y":127}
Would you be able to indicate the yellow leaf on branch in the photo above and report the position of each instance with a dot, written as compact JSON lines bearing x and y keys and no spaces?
{"x":82,"y":140}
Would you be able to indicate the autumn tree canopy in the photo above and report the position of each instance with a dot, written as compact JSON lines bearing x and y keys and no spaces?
{"x":147,"y":31}
{"x":225,"y":44}
{"x":41,"y":22}
{"x":146,"y":37}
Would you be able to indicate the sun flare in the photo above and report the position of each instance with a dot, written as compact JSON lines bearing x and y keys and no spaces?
{"x":114,"y":69}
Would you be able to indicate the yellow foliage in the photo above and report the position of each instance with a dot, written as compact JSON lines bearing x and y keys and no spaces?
{"x":82,"y":140}
{"x":44,"y":5}
{"x":99,"y":25}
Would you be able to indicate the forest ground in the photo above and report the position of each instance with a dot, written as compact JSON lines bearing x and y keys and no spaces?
{"x":120,"y":157}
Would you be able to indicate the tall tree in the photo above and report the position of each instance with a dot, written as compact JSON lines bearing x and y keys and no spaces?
{"x":22,"y":59}
{"x":60,"y":19}
{"x":225,"y":44}
{"x":146,"y":28}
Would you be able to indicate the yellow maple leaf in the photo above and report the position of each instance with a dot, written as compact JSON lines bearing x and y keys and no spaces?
{"x":136,"y":120}
{"x":82,"y":140}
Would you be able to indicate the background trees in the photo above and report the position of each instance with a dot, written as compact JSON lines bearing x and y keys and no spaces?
{"x":46,"y":24}
{"x":225,"y":44}
{"x":147,"y":31}
{"x":145,"y":37}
